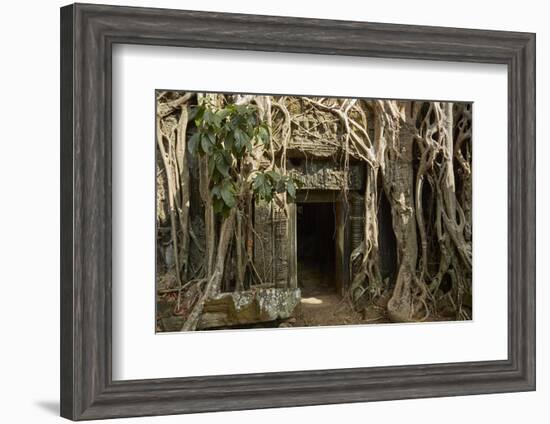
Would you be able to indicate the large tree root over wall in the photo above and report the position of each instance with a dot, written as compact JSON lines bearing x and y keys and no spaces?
{"x":417,"y":163}
{"x":419,"y":155}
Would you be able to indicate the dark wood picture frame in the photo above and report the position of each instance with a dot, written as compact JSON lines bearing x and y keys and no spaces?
{"x":88,"y":33}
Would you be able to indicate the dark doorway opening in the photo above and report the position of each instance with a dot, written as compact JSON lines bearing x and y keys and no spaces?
{"x":316,"y":251}
{"x":387,"y":244}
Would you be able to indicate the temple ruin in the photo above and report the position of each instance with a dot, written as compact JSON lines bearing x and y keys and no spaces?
{"x":288,"y":247}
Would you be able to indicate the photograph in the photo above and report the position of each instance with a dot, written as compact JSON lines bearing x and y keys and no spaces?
{"x":275,"y":212}
{"x":288,"y":211}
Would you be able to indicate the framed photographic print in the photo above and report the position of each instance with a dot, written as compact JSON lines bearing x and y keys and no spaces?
{"x":263,"y":211}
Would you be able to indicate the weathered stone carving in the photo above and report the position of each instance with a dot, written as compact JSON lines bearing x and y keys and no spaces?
{"x":326,"y":175}
{"x":263,"y":242}
{"x":248,"y":307}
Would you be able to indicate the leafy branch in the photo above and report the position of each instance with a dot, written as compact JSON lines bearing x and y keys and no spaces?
{"x":228,"y":136}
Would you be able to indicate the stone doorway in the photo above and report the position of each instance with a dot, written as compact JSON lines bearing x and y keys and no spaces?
{"x":318,"y":231}
{"x":316,"y":253}
{"x":319,"y":239}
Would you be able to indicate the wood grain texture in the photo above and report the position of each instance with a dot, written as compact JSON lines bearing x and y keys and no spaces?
{"x":88,"y":33}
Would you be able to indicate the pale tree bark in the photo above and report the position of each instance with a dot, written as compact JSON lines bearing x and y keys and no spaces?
{"x":214,"y":281}
{"x":396,"y":129}
{"x":171,"y":182}
{"x":369,"y":270}
{"x":183,"y":187}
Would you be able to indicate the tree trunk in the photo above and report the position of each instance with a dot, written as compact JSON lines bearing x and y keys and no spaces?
{"x":209,"y":223}
{"x":214,"y":282}
{"x":368,"y":276}
{"x":396,"y":128}
{"x":183,"y":198}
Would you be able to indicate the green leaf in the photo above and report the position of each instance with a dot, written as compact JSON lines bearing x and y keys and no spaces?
{"x":242,"y":109}
{"x":230,"y":186}
{"x":291,"y":189}
{"x":196,"y":112}
{"x":259,"y":181}
{"x":206,"y":144}
{"x":208,"y":116}
{"x":228,"y":140}
{"x":212,"y":137}
{"x":212,"y":118}
{"x":280,"y":186}
{"x":241,"y":138}
{"x":222,"y":166}
{"x":251,"y":120}
{"x":211,"y":165}
{"x":263,"y":133}
{"x":228,"y":197}
{"x":199,"y":116}
{"x":218,"y":205}
{"x":274,"y":175}
{"x":227,"y":156}
{"x":222,"y":114}
{"x":192,"y":113}
{"x":267,"y":194}
{"x":249,"y":146}
{"x":193,"y":143}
